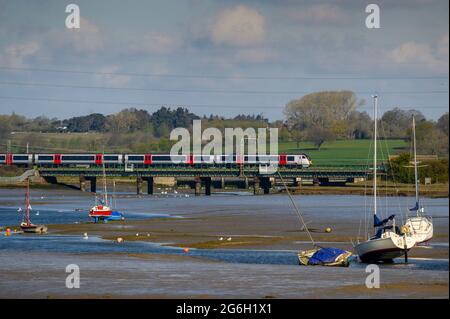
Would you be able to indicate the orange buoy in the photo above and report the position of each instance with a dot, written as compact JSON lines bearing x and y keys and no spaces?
{"x":186,"y":250}
{"x":8,"y":232}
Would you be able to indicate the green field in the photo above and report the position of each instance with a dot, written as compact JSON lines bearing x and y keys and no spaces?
{"x":346,"y":152}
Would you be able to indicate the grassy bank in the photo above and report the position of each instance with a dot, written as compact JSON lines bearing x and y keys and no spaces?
{"x":345,"y":152}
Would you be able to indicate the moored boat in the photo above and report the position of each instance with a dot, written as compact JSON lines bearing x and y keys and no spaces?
{"x":389,"y":241}
{"x":325,"y":257}
{"x":103,"y":212}
{"x":26,"y":225}
{"x":420,"y":226}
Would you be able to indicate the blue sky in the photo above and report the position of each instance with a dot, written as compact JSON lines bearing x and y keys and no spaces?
{"x":220,"y":57}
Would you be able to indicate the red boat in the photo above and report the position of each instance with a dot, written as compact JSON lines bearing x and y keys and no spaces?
{"x":100,"y":211}
{"x":103,"y":212}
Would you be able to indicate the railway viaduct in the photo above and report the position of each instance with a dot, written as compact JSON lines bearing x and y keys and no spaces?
{"x":261,"y":178}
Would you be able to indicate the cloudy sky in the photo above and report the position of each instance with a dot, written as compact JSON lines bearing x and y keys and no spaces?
{"x":221,"y":57}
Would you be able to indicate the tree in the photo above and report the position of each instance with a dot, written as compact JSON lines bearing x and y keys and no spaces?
{"x":442,"y":123}
{"x":91,"y":122}
{"x":319,"y":135}
{"x":329,"y":110}
{"x":397,"y":122}
{"x":5,"y":129}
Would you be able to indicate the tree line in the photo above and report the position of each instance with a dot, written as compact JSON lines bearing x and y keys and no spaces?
{"x":317,"y":117}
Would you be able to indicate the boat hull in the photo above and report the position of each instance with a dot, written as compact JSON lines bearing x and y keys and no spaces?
{"x":35,"y":229}
{"x":384,"y":249}
{"x":341,"y":260}
{"x":421,"y":229}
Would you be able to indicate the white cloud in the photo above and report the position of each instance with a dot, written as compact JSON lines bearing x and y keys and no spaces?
{"x":87,"y":39}
{"x":238,"y":26}
{"x":15,"y":55}
{"x":106,"y":77}
{"x":442,"y":48}
{"x":412,"y":52}
{"x":320,"y":14}
{"x":155,"y":43}
{"x":422,"y":56}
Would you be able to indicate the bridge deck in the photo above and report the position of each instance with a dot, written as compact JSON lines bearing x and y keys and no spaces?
{"x":318,"y":172}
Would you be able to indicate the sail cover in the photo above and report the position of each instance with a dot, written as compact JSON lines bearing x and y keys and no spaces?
{"x":415,"y":208}
{"x":377,"y":222}
{"x":326,"y":256}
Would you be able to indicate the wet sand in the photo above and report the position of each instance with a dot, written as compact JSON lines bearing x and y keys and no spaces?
{"x":162,"y":276}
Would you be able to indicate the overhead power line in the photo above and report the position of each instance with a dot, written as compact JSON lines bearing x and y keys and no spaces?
{"x":243,"y":77}
{"x":143,"y":104}
{"x":72,"y":86}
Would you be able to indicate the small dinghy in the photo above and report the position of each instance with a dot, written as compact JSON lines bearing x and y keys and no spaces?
{"x":327,"y":256}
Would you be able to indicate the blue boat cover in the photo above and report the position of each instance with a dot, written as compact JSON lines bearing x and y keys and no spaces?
{"x":325,"y":256}
{"x":377,"y":222}
{"x":415,"y":208}
{"x":115,"y":216}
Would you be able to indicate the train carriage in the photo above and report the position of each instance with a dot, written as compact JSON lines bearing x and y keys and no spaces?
{"x":16,"y":159}
{"x":74,"y":160}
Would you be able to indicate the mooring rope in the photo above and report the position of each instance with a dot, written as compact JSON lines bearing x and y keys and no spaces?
{"x":297,"y":210}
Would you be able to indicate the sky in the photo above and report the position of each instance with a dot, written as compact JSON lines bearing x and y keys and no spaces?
{"x":220,"y":57}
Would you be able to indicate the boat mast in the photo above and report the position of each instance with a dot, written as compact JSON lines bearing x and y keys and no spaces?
{"x":416,"y":174}
{"x":27,"y":202}
{"x":104,"y":184}
{"x":375,"y":111}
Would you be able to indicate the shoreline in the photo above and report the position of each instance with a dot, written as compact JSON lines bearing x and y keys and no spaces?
{"x":440,"y":190}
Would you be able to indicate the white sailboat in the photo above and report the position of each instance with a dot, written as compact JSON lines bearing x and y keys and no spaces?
{"x":420,"y":226}
{"x":388,"y":242}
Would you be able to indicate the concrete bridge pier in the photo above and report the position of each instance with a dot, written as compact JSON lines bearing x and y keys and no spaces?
{"x":246,"y":183}
{"x":83,"y":182}
{"x":139,"y":182}
{"x":93,"y":181}
{"x":198,"y":186}
{"x":208,"y":185}
{"x":256,"y":188}
{"x":150,"y":185}
{"x":265,"y":184}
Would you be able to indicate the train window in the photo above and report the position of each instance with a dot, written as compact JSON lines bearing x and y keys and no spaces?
{"x":45,"y":158}
{"x":78,"y":158}
{"x":162,"y":158}
{"x":2,"y":157}
{"x":135,"y":158}
{"x":20,"y":157}
{"x":111,"y":158}
{"x":291,"y":158}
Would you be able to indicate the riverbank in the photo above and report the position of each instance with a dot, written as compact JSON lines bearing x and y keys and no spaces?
{"x":438,"y":190}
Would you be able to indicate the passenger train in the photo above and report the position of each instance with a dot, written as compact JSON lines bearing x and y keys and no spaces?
{"x":146,"y":160}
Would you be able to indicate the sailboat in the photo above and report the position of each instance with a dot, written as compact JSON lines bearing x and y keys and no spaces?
{"x":388,"y":241}
{"x":420,"y":226}
{"x":26,"y":224}
{"x":102,"y":211}
{"x":318,"y":256}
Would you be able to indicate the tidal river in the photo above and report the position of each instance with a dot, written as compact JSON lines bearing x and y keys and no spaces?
{"x":226,"y":245}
